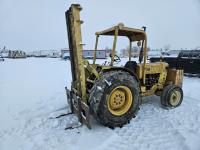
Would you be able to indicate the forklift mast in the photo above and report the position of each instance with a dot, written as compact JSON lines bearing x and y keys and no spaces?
{"x":73,"y":23}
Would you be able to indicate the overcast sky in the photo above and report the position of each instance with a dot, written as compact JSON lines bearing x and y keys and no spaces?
{"x":40,"y":24}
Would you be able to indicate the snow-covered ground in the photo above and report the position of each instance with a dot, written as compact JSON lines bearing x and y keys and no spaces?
{"x":32,"y":91}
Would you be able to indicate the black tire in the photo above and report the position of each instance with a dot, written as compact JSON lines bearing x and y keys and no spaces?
{"x":131,"y":65}
{"x":99,"y":97}
{"x":167,"y":95}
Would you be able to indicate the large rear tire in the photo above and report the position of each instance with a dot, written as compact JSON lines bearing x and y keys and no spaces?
{"x":114,"y":99}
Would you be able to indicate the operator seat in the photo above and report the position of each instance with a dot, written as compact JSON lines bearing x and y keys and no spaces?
{"x":131,"y":65}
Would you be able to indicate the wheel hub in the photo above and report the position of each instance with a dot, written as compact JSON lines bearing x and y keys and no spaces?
{"x":175,"y":98}
{"x":117,"y":99}
{"x":120,"y":100}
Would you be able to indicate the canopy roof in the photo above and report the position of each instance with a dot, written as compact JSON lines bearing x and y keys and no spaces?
{"x":131,"y":33}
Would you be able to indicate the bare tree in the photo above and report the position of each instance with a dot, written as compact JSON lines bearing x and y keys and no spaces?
{"x":198,"y":47}
{"x":166,"y":47}
{"x":124,"y":52}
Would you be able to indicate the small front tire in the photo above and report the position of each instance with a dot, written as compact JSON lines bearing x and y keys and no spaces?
{"x":172,"y":96}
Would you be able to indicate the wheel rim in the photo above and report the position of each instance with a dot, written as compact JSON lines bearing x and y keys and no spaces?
{"x":175,"y":98}
{"x":120,"y":100}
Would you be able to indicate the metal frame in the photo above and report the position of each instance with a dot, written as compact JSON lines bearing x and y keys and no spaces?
{"x":77,"y":97}
{"x":76,"y":50}
{"x":78,"y":107}
{"x":115,"y":32}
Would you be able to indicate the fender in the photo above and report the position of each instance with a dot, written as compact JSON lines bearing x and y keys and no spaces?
{"x":125,"y":70}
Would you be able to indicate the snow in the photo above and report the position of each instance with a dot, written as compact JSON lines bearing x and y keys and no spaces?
{"x":32,"y":92}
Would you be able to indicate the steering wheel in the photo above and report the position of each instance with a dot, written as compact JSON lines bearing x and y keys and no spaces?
{"x":117,"y":59}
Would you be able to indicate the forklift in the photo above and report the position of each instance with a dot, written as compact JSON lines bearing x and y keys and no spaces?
{"x":112,"y":94}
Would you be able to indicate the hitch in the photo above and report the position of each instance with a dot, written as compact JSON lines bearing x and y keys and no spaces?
{"x":78,"y":107}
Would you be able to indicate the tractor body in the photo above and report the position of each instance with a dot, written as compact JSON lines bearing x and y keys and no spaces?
{"x":110,"y":93}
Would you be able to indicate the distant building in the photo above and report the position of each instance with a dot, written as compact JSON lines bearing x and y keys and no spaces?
{"x":88,"y":54}
{"x":16,"y":54}
{"x":45,"y":53}
{"x":100,"y":54}
{"x":54,"y":54}
{"x":108,"y":52}
{"x":63,"y":52}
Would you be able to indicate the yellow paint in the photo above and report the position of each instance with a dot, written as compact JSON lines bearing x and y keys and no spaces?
{"x":175,"y":98}
{"x":120,"y":100}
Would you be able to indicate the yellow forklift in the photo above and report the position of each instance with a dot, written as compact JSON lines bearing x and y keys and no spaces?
{"x":112,"y":94}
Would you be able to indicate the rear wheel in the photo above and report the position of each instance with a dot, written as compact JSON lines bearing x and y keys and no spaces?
{"x":131,"y":65}
{"x":172,"y":96}
{"x":114,"y":99}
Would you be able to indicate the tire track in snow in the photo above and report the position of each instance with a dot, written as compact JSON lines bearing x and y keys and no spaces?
{"x":35,"y":126}
{"x":151,"y":133}
{"x":115,"y":142}
{"x":188,"y":124}
{"x":157,"y":128}
{"x":153,"y":128}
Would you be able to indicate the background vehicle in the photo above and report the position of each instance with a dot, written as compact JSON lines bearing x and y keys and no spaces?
{"x":189,"y":60}
{"x":66,"y":56}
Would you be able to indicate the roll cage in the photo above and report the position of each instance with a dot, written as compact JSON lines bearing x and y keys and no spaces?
{"x":131,"y":33}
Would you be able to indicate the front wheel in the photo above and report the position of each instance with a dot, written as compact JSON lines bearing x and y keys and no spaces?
{"x":114,"y":98}
{"x":172,"y":96}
